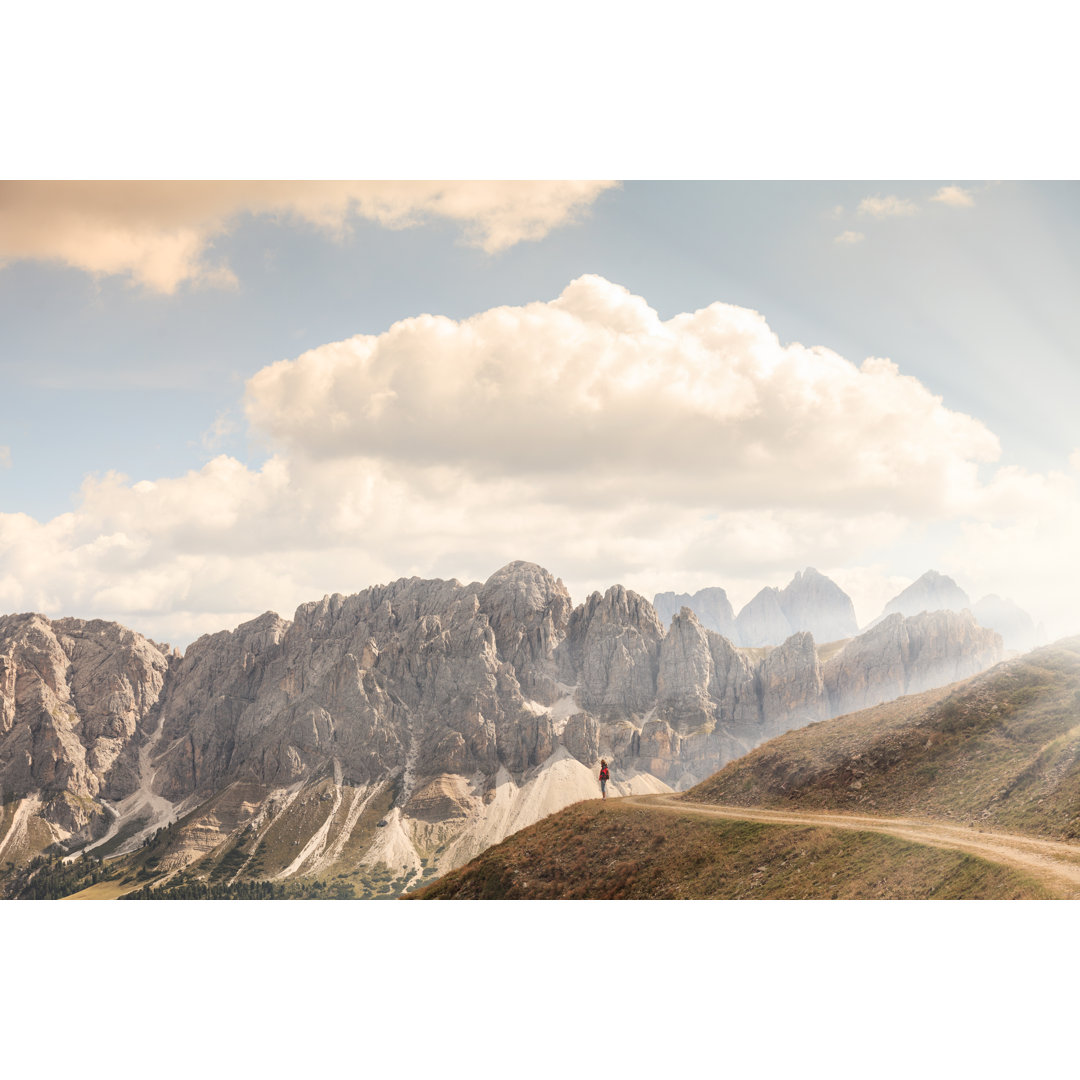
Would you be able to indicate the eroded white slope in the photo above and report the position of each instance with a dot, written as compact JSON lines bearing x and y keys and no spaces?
{"x":558,"y":782}
{"x":15,"y":837}
{"x":143,"y":804}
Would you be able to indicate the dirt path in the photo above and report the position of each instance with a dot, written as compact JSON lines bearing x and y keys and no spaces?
{"x":1053,"y":863}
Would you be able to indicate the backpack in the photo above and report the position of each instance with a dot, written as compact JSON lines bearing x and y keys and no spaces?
{"x":604,"y":773}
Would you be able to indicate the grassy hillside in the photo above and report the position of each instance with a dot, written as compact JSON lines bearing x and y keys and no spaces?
{"x":999,"y":751}
{"x":609,"y":851}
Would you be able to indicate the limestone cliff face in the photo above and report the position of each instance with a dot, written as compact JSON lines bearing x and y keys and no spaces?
{"x":612,"y":652}
{"x":416,"y":677}
{"x":792,"y":686}
{"x":686,"y":679}
{"x":906,"y":656}
{"x":75,"y":698}
{"x":528,"y":611}
{"x":714,"y":702}
{"x":206,"y":705}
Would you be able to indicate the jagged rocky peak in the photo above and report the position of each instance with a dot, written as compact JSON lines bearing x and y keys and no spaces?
{"x":792,"y":685}
{"x":685,"y":674}
{"x":931,"y":592}
{"x":711,"y":606}
{"x":762,"y":621}
{"x":810,"y":602}
{"x":815,"y":603}
{"x":612,"y":651}
{"x":529,"y":612}
{"x":525,"y":592}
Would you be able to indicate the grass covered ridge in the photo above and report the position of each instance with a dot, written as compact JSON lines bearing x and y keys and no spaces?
{"x":600,"y":850}
{"x":1000,"y":751}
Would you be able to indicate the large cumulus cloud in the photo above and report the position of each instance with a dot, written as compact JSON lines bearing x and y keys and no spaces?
{"x":706,"y":408}
{"x":584,"y":433}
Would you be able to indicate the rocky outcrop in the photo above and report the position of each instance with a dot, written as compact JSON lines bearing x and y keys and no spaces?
{"x":612,"y":652}
{"x":581,"y":737}
{"x":75,"y":698}
{"x":906,"y":656}
{"x":685,"y":680}
{"x":528,"y":611}
{"x":792,"y":686}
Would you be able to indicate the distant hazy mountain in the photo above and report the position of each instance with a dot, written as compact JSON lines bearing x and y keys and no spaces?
{"x":810,"y":602}
{"x":711,"y":606}
{"x":1010,"y":620}
{"x":816,"y":603}
{"x":937,"y":592}
{"x":932,"y":592}
{"x":762,"y":621}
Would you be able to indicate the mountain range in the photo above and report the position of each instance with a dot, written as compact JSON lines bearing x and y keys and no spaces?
{"x":815,"y":603}
{"x":966,"y":791}
{"x":382,"y":738}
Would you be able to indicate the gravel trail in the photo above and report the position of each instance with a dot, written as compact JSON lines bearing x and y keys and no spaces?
{"x":1054,"y":863}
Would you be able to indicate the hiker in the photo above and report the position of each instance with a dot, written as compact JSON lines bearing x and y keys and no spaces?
{"x":604,"y":774}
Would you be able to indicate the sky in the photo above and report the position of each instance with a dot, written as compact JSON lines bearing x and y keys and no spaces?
{"x":227,"y":397}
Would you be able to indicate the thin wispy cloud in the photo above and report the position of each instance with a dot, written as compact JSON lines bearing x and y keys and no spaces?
{"x":5,"y":457}
{"x":953,"y":195}
{"x":223,"y":426}
{"x":886,"y":206}
{"x":160,"y":233}
{"x":848,"y":236}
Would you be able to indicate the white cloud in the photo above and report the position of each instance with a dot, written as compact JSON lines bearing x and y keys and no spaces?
{"x":583,"y":433}
{"x":1074,"y":459}
{"x":594,"y":386}
{"x":848,"y":236}
{"x":5,"y":457}
{"x":883,"y":206}
{"x":161,"y":232}
{"x":952,"y":195}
